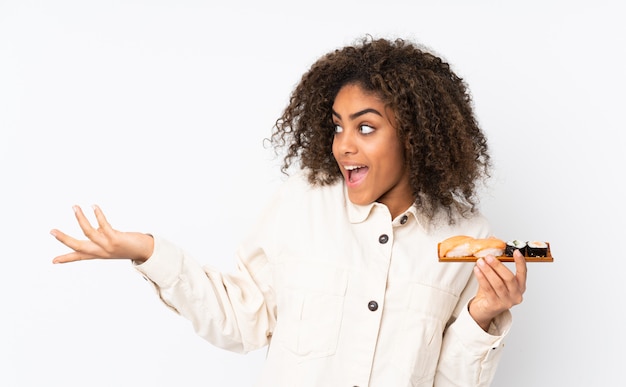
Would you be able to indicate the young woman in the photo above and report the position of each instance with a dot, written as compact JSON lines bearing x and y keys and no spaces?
{"x":340,"y":277}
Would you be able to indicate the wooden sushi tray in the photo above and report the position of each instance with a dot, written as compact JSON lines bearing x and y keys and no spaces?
{"x":547,"y":258}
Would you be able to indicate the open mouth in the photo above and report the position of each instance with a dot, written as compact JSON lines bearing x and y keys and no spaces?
{"x":356,"y":173}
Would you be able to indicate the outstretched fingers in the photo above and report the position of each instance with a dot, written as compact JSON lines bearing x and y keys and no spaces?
{"x":79,"y":248}
{"x":96,"y":244}
{"x":103,"y":224}
{"x":72,"y":257}
{"x":85,"y":225}
{"x":102,"y":237}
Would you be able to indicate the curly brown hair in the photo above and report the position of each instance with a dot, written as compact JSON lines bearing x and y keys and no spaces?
{"x":445,"y":150}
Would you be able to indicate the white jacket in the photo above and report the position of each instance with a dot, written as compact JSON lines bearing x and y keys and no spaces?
{"x":342,"y":294}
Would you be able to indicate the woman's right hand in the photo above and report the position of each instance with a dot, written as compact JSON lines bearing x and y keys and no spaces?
{"x":103,"y":242}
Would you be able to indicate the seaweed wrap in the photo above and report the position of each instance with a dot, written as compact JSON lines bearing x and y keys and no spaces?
{"x":537,"y":249}
{"x":513,"y":245}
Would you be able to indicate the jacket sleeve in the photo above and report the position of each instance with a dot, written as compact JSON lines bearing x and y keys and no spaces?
{"x":234,"y":311}
{"x":469,"y":355}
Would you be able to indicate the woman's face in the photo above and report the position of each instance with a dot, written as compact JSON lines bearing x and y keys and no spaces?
{"x":368,"y":151}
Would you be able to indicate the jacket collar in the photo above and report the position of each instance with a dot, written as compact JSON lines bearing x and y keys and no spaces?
{"x":359,"y":213}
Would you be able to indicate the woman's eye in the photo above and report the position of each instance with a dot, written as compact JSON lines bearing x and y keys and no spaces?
{"x":338,"y":129}
{"x":366,"y":129}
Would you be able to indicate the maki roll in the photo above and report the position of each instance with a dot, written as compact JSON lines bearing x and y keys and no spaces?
{"x":537,"y":249}
{"x":513,"y":245}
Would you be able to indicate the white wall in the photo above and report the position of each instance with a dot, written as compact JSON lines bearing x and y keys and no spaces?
{"x":156,"y":111}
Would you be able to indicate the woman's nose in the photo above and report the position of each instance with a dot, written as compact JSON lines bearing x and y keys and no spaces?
{"x":344,"y":143}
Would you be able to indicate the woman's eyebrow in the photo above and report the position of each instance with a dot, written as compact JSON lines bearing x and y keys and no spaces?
{"x":357,"y":114}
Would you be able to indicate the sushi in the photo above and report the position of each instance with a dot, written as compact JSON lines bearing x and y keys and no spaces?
{"x":463,"y":248}
{"x":513,"y":245}
{"x":456,"y":246}
{"x":487,"y":246}
{"x":537,"y":249}
{"x":466,"y":246}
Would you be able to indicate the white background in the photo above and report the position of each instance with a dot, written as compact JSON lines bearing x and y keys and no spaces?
{"x":156,"y":111}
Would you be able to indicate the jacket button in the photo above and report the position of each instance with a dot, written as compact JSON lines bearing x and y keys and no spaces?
{"x":404,"y":219}
{"x":372,"y":305}
{"x":383,"y":239}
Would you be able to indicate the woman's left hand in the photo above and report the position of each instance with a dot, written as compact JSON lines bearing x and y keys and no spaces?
{"x":499,"y":289}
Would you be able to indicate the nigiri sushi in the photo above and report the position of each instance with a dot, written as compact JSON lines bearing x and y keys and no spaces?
{"x":487,"y":246}
{"x":456,"y":246}
{"x":466,"y":246}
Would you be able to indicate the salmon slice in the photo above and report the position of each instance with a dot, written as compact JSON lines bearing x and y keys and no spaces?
{"x":484,"y":246}
{"x":456,"y":246}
